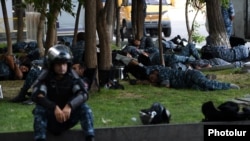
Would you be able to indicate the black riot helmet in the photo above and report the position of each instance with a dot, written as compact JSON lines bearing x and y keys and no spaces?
{"x":59,"y":54}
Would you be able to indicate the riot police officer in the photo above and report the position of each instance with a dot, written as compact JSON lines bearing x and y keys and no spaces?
{"x":60,"y":97}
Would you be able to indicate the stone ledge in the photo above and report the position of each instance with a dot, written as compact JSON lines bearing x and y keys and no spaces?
{"x":162,"y":132}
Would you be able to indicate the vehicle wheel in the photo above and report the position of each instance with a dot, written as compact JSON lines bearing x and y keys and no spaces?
{"x":167,"y":32}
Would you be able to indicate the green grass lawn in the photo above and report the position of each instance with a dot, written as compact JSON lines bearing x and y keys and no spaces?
{"x":114,"y":108}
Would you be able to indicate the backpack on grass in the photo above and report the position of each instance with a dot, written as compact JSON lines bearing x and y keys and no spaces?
{"x":227,"y":111}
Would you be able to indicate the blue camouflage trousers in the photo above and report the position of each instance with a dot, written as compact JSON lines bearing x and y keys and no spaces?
{"x":31,"y":77}
{"x":194,"y":79}
{"x":190,"y":50}
{"x":237,"y":53}
{"x":171,"y":60}
{"x":44,"y":120}
{"x":197,"y":80}
{"x":227,"y":12}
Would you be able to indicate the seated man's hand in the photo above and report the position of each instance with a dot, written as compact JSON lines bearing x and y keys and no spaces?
{"x":67,"y":110}
{"x":60,"y":117}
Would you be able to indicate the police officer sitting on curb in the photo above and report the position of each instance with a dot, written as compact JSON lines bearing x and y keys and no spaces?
{"x":60,"y":97}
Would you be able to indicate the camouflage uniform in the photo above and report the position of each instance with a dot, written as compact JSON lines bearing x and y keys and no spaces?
{"x":146,"y":45}
{"x":172,"y":60}
{"x":78,"y":52}
{"x":31,"y":77}
{"x":132,"y":50}
{"x":146,"y":42}
{"x":183,"y":50}
{"x":221,"y":62}
{"x":52,"y":94}
{"x":44,"y":119}
{"x":187,"y":79}
{"x":237,"y":53}
{"x":216,"y":62}
{"x":4,"y":71}
{"x":227,"y":13}
{"x":189,"y":50}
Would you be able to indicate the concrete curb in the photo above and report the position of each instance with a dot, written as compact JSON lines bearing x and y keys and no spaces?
{"x":161,"y":132}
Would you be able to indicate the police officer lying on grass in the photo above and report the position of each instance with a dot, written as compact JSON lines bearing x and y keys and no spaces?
{"x":32,"y":75}
{"x":60,"y":97}
{"x":194,"y":79}
{"x":12,"y":68}
{"x":173,"y":78}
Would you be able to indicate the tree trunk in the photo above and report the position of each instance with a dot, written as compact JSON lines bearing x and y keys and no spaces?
{"x":160,"y":35}
{"x":110,"y":11}
{"x":140,"y":20}
{"x":217,"y":31}
{"x":40,"y":33}
{"x":118,"y":34}
{"x":134,"y":17}
{"x":137,"y":19}
{"x":20,"y":24}
{"x":7,"y":28}
{"x":105,"y":57}
{"x":189,"y":31}
{"x":51,"y":35}
{"x":76,"y":24}
{"x":90,"y":53}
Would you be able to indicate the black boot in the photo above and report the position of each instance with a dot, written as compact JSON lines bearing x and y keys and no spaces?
{"x":20,"y":97}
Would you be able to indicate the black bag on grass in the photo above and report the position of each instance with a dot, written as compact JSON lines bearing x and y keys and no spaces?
{"x":156,"y":114}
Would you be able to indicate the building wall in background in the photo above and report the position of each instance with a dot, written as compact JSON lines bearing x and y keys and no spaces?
{"x":10,"y":16}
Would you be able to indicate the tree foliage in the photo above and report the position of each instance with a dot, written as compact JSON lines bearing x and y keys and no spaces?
{"x":197,"y":6}
{"x":51,"y":9}
{"x":217,"y":32}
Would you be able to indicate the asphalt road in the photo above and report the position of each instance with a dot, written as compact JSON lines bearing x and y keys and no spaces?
{"x":178,"y":22}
